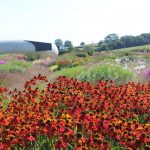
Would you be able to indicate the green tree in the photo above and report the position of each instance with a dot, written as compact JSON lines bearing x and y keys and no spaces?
{"x":59,"y":44}
{"x":82,"y":43}
{"x":90,"y":49}
{"x":146,"y":37}
{"x":128,"y":40}
{"x":68,"y":44}
{"x":139,"y":40}
{"x":111,"y":38}
{"x":100,"y":43}
{"x":103,"y":47}
{"x":118,"y":44}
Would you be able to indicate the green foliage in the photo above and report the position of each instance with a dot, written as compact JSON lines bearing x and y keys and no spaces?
{"x":68,"y":44}
{"x":78,"y":62}
{"x":42,"y":143}
{"x":32,"y":56}
{"x":15,"y":66}
{"x":120,"y":54}
{"x":111,"y":56}
{"x":3,"y":56}
{"x":82,"y":54}
{"x":112,"y":41}
{"x":104,"y":57}
{"x":64,"y":51}
{"x":53,"y":68}
{"x":111,"y":38}
{"x":103,"y":47}
{"x":77,"y":49}
{"x":63,"y":63}
{"x":70,"y":72}
{"x":135,"y":48}
{"x":115,"y":145}
{"x":89,"y":49}
{"x":59,"y":44}
{"x":67,"y":56}
{"x":69,"y":63}
{"x":5,"y":101}
{"x":106,"y":72}
{"x":82,"y":43}
{"x":69,"y":60}
{"x":118,"y":44}
{"x":144,"y":49}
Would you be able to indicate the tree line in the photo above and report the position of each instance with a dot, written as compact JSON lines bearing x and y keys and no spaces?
{"x":62,"y":45}
{"x":112,"y":41}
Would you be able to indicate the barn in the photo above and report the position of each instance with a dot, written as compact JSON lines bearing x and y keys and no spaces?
{"x":25,"y":46}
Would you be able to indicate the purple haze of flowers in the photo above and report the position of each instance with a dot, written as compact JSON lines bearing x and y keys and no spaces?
{"x":147,"y":73}
{"x":2,"y":62}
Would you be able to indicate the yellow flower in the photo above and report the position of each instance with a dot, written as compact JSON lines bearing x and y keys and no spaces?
{"x":65,"y":116}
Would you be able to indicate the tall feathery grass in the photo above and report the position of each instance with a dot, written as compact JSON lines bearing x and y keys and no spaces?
{"x":106,"y":72}
{"x":15,"y":66}
{"x":70,"y":72}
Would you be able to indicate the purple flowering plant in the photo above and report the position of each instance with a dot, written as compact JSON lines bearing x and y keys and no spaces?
{"x":2,"y":62}
{"x":146,"y":73}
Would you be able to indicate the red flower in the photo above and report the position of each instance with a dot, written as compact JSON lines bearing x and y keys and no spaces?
{"x":2,"y":146}
{"x":60,"y":144}
{"x":30,"y":138}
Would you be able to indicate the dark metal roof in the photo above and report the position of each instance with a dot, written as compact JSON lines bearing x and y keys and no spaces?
{"x":41,"y":46}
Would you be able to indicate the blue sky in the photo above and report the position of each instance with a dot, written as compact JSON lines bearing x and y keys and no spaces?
{"x":75,"y":20}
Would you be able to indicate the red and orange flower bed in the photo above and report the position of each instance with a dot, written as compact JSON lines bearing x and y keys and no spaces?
{"x":70,"y":114}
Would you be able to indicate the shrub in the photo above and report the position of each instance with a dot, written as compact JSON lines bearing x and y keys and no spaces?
{"x":66,"y":57}
{"x":145,"y":75}
{"x":106,"y":72}
{"x":53,"y":68}
{"x":103,"y":47}
{"x":32,"y":56}
{"x":89,"y":49}
{"x":13,"y":66}
{"x":82,"y":54}
{"x":70,"y":61}
{"x":77,"y":63}
{"x":70,"y":72}
{"x":61,"y":52}
{"x":90,"y":52}
{"x":63,"y":63}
